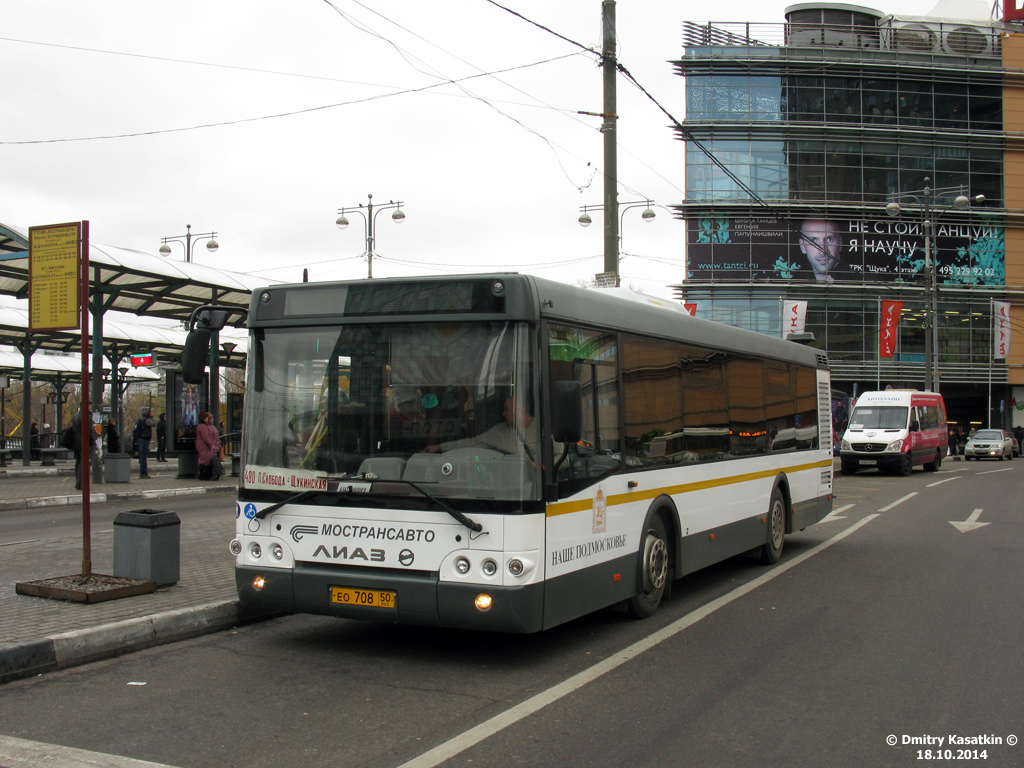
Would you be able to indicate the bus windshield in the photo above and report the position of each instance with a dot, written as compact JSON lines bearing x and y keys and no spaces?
{"x":879,"y":417}
{"x":444,"y":406}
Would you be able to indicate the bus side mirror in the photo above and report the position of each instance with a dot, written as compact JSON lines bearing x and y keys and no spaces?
{"x":195,"y":355}
{"x":566,"y":412}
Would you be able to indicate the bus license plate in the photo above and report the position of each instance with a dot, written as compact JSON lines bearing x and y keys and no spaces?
{"x":868,"y":462}
{"x":371,"y":598}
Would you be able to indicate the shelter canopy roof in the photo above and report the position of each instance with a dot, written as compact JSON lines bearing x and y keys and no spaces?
{"x":119,"y":330}
{"x":137,"y":282}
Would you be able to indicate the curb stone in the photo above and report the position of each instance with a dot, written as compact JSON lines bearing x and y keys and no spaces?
{"x":69,"y":649}
{"x":102,"y":498}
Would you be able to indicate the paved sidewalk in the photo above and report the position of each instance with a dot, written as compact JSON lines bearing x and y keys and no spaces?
{"x":40,"y":634}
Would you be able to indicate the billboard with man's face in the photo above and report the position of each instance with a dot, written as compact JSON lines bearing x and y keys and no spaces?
{"x":818,"y":249}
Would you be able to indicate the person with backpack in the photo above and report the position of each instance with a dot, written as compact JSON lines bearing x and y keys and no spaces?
{"x":142,"y":435}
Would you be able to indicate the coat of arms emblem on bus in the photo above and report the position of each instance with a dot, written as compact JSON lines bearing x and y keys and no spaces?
{"x":600,"y":511}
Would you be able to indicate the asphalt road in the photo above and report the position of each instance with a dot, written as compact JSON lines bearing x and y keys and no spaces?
{"x":884,"y":623}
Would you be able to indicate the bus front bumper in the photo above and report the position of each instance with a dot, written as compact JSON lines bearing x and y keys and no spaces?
{"x":419,"y":599}
{"x":864,"y":460}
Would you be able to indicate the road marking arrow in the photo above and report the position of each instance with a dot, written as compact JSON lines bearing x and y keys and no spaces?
{"x":972,"y":523}
{"x":834,"y":514}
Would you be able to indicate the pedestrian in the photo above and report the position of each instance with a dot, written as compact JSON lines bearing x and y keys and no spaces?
{"x":46,"y":436}
{"x":76,"y":430}
{"x":953,"y":439}
{"x":113,"y":439}
{"x":34,"y":441}
{"x":161,"y":438}
{"x":1018,"y":432}
{"x":208,"y":447}
{"x":142,"y":435}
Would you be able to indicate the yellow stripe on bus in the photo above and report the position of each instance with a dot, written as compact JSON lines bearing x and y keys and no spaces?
{"x":568,"y":507}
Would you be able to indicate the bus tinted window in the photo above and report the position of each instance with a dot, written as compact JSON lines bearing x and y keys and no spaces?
{"x":686,"y":405}
{"x":591,"y":358}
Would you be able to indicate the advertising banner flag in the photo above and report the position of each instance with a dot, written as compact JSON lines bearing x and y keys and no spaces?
{"x":1000,"y":330}
{"x":887,"y":327}
{"x":691,"y":309}
{"x":794,"y":316}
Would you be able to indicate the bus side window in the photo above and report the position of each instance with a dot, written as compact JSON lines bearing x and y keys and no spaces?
{"x":590,"y":358}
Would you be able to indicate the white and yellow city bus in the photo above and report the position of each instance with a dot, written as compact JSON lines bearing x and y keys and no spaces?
{"x":483,"y":451}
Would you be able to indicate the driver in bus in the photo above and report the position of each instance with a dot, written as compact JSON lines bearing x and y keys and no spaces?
{"x":516,"y":434}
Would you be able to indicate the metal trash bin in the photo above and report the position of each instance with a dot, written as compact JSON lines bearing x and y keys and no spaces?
{"x":117,"y":467}
{"x":147,"y":545}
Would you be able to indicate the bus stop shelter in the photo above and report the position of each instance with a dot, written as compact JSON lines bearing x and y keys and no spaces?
{"x":125,"y":281}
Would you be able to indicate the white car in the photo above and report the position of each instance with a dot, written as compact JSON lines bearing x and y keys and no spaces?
{"x":989,"y":444}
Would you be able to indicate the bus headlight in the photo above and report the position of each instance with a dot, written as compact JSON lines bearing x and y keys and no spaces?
{"x":462,"y":565}
{"x":236,"y":547}
{"x":276,"y":551}
{"x":895,"y":446}
{"x":489,"y":567}
{"x":258,"y":582}
{"x":845,"y":446}
{"x":255,"y":550}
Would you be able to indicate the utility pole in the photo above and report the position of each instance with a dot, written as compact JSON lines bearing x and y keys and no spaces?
{"x":611,"y":205}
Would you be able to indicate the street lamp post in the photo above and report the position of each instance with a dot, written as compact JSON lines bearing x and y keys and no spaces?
{"x":186,"y":240}
{"x":368,"y":218}
{"x":929,"y":217}
{"x":648,"y":215}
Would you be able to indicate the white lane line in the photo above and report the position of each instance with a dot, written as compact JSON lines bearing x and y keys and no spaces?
{"x":898,"y":502}
{"x":940,"y":482}
{"x":509,"y":717}
{"x":21,"y":753}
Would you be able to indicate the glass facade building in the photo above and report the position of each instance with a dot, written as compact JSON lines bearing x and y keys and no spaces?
{"x":824,"y":158}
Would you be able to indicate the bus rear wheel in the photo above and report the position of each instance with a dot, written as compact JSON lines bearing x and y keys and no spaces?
{"x":654,"y":569}
{"x":771,"y":550}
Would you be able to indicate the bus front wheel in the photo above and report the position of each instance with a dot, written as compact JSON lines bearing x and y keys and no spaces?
{"x":905,"y":465}
{"x":771,"y":550}
{"x":653,"y":570}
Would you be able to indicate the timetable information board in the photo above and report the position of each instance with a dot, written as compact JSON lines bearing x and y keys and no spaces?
{"x":53,"y":267}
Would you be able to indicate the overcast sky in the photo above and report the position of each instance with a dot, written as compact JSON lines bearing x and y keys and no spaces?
{"x":260,"y":119}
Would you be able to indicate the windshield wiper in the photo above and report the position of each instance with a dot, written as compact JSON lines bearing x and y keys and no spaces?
{"x":302,"y":495}
{"x":461,"y":518}
{"x":473,"y":526}
{"x":290,"y":500}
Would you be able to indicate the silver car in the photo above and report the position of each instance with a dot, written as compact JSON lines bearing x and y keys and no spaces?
{"x":989,"y":444}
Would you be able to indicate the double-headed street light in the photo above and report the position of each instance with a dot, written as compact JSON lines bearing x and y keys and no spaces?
{"x":186,"y":240}
{"x":929,"y":217}
{"x":648,"y":215}
{"x":367,"y":212}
